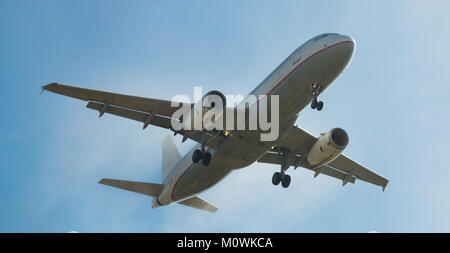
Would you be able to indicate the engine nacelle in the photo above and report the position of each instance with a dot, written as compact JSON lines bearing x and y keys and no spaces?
{"x":327,"y":147}
{"x":212,"y":103}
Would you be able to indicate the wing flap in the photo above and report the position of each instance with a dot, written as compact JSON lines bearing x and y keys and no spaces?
{"x":326,"y":170}
{"x":157,"y":120}
{"x":346,"y":164}
{"x":199,"y":203}
{"x":211,"y":139}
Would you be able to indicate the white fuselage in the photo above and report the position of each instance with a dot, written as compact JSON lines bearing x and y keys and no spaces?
{"x":319,"y":60}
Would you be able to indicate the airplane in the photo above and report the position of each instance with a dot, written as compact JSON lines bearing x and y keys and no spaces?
{"x":298,"y":81}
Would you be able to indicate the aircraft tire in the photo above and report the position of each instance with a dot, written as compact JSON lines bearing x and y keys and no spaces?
{"x":206,"y":158}
{"x":197,"y":156}
{"x":286,"y":181}
{"x":320,"y":106}
{"x":276,"y":178}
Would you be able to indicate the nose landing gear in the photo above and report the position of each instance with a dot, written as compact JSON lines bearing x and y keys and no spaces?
{"x":316,"y":90}
{"x":317,"y":104}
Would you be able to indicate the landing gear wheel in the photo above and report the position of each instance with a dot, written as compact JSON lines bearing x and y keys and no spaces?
{"x":197,"y":156}
{"x":285,"y":181}
{"x":206,"y":158}
{"x":320,"y":106}
{"x":276,"y":178}
{"x":314,"y":103}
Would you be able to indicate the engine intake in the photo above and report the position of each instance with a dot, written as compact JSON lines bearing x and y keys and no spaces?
{"x":327,"y":147}
{"x":339,"y":138}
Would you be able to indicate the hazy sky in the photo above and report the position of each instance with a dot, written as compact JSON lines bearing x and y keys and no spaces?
{"x":393,"y":101}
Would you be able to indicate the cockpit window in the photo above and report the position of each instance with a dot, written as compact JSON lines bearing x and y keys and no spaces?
{"x":320,"y":37}
{"x":323,"y":36}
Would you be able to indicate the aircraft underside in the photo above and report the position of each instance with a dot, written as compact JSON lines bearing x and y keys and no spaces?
{"x":296,"y":83}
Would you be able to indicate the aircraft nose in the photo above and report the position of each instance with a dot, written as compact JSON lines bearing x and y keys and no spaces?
{"x":348,"y":38}
{"x":339,"y":55}
{"x":351,"y":42}
{"x":349,"y":48}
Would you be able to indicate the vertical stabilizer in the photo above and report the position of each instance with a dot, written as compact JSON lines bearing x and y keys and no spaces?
{"x":170,"y":155}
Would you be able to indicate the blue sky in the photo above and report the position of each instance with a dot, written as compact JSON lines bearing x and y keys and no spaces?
{"x":392,"y":100}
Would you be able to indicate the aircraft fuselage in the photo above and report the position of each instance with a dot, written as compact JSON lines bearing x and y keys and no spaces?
{"x":319,"y":60}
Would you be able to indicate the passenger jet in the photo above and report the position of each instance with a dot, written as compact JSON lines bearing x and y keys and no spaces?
{"x":297,"y":81}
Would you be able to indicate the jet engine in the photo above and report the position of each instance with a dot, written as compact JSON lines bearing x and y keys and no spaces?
{"x":204,"y":113}
{"x":327,"y":147}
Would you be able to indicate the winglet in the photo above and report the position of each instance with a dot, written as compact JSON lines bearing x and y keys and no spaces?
{"x":45,"y":87}
{"x":384,"y":186}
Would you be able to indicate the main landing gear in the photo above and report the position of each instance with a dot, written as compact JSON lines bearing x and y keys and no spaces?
{"x":281,"y":177}
{"x":316,"y":90}
{"x":203,"y":155}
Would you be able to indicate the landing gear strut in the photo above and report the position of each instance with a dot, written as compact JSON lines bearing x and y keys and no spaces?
{"x":316,"y":90}
{"x":281,"y":176}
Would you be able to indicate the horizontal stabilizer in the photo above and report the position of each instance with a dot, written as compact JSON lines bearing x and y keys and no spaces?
{"x":199,"y":203}
{"x":139,"y":187}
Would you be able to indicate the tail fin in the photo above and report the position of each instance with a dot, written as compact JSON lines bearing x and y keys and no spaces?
{"x":170,"y":155}
{"x":139,"y":187}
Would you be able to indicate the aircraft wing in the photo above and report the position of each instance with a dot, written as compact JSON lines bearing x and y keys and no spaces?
{"x":149,"y":111}
{"x":353,"y":168}
{"x":299,"y":142}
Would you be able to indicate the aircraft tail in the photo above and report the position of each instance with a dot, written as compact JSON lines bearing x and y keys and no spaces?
{"x":170,"y":155}
{"x":148,"y":189}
